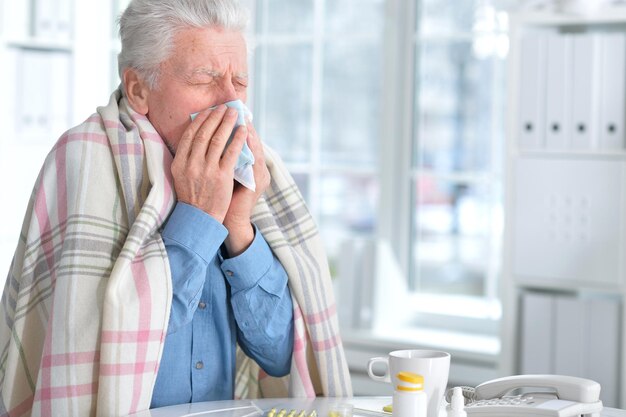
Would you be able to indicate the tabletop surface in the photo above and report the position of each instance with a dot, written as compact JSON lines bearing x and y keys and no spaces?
{"x":362,"y":406}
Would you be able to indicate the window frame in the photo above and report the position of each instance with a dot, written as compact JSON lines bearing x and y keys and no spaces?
{"x":313,"y":169}
{"x":397,"y":145}
{"x":397,"y":199}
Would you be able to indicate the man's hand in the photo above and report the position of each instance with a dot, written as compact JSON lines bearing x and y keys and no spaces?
{"x":237,"y":221}
{"x":202,"y":176}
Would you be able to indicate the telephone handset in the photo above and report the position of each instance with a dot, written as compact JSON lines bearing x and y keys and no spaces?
{"x":572,"y":397}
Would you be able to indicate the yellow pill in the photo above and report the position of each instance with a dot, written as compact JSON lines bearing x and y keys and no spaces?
{"x":388,"y":408}
{"x":282,"y":413}
{"x":302,"y":414}
{"x":313,"y":414}
{"x":271,"y":413}
{"x":292,"y":413}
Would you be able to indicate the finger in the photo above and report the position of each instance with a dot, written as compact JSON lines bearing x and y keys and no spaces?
{"x":229,"y":160}
{"x":220,"y":137}
{"x":205,"y":134}
{"x":255,"y":135}
{"x":252,"y":130}
{"x":184,"y":145}
{"x":255,"y":145}
{"x":262,"y":175}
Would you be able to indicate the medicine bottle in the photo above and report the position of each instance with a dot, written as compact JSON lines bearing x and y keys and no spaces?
{"x":409,"y":398}
{"x":457,"y":404}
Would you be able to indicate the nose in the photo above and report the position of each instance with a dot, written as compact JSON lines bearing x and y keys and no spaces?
{"x":227,"y":91}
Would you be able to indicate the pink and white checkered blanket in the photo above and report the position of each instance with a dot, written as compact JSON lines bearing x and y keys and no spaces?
{"x":86,"y":304}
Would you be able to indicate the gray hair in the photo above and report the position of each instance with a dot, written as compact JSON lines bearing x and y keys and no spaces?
{"x":148,"y":27}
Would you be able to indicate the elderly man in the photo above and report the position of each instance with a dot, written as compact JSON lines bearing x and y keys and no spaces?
{"x":142,"y":264}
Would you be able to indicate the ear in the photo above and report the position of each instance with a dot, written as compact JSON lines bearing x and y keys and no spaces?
{"x":137,"y":91}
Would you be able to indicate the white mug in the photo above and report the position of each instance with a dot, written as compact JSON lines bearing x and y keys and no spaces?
{"x":433,"y":365}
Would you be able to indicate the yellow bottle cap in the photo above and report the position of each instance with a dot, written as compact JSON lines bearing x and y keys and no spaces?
{"x":410,"y":389}
{"x":411,"y":378}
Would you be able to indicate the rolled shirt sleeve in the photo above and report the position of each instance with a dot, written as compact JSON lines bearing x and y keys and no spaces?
{"x":262,"y":305}
{"x":192,"y":239}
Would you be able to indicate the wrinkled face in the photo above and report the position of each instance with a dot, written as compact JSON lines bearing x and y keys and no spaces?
{"x":207,"y":67}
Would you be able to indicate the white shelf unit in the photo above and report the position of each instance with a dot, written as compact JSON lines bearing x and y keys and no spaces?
{"x":564,"y":286}
{"x":57,"y":60}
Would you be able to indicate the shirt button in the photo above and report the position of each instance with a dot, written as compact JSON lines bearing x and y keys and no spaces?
{"x":230,"y":273}
{"x":199,"y":365}
{"x":201,"y":305}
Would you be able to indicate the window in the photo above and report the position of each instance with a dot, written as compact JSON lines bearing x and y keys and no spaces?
{"x":320,"y":91}
{"x":316,"y":99}
{"x":457,"y":171}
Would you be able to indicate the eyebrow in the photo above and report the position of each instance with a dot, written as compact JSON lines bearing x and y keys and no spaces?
{"x":215,"y":73}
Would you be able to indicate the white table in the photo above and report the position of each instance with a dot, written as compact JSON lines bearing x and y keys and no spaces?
{"x":255,"y":408}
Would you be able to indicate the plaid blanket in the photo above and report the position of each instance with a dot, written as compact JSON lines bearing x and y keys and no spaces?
{"x":87,"y":300}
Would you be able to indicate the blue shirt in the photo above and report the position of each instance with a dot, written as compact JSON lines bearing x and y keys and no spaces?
{"x":216,"y":303}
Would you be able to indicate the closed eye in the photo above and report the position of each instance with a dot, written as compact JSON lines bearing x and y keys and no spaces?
{"x":241,"y":78}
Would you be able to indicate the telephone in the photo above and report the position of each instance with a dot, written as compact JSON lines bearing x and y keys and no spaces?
{"x":572,"y":397}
